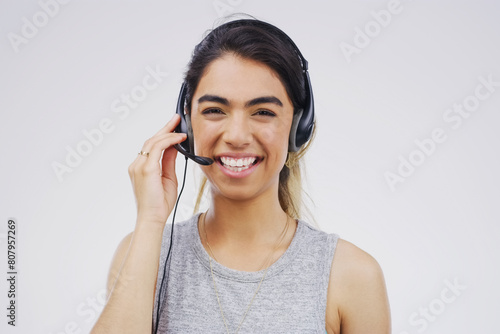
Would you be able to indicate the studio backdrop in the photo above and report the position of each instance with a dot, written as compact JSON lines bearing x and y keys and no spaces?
{"x":404,"y":163}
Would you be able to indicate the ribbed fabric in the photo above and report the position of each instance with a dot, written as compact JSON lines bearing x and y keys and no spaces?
{"x":291,"y":299}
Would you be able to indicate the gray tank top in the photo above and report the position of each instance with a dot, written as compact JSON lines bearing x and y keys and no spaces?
{"x":291,"y":299}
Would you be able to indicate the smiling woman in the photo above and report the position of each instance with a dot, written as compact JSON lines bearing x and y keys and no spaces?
{"x":249,"y":264}
{"x":240,"y":110}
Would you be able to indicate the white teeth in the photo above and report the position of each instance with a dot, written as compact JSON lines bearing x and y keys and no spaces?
{"x":237,"y":165}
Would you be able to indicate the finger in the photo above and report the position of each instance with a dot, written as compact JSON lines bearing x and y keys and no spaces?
{"x":170,"y":126}
{"x":158,"y":145}
{"x":168,"y":163}
{"x":151,"y":142}
{"x":163,"y":142}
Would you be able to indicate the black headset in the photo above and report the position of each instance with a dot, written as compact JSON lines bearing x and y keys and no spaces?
{"x":303,"y":119}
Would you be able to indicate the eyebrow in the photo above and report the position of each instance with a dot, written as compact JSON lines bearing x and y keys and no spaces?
{"x":253,"y":102}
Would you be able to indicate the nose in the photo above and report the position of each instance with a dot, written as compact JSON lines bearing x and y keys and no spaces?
{"x":237,"y":131}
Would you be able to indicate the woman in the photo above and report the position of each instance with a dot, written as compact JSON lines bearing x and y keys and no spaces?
{"x":248,"y":264}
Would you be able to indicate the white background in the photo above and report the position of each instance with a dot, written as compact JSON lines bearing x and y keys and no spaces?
{"x":440,"y":224}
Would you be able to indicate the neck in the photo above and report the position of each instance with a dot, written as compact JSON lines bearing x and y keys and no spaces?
{"x":244,"y":235}
{"x":255,"y":221}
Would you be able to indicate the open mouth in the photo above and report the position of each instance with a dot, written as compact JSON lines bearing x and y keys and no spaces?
{"x":238,"y":165}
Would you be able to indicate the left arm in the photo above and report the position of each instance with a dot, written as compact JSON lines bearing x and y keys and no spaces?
{"x":357,"y":301}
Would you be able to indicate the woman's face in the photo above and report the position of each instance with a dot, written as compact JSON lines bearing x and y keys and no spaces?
{"x":241,"y":117}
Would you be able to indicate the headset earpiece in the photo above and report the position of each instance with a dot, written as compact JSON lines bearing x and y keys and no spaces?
{"x":183,"y":126}
{"x":292,"y":140}
{"x":190,"y":137}
{"x":303,"y":120}
{"x":187,"y":146}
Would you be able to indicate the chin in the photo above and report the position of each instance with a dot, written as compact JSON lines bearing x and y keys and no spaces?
{"x":242,"y":192}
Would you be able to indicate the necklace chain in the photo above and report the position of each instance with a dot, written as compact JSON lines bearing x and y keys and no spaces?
{"x":266,"y":263}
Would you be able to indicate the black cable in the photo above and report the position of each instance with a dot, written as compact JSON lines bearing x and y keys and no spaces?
{"x":169,"y":248}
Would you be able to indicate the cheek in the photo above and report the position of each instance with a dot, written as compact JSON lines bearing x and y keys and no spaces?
{"x":276,"y":136}
{"x":204,"y":137}
{"x":276,"y":141}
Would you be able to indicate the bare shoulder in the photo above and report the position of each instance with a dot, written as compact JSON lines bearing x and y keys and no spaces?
{"x":116,"y":262}
{"x":357,"y":295}
{"x":354,"y":263}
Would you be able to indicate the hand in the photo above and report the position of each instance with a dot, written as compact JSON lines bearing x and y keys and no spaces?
{"x":153,"y":177}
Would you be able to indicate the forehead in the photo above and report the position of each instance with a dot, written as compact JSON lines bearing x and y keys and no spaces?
{"x":240,"y":79}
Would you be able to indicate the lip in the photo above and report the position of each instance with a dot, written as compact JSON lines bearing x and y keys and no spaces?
{"x":234,"y":174}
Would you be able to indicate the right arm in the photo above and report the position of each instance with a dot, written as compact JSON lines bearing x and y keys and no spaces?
{"x":134,"y":269}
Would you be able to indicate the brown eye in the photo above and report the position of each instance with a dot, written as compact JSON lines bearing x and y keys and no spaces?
{"x":265,"y":113}
{"x":212,"y":111}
